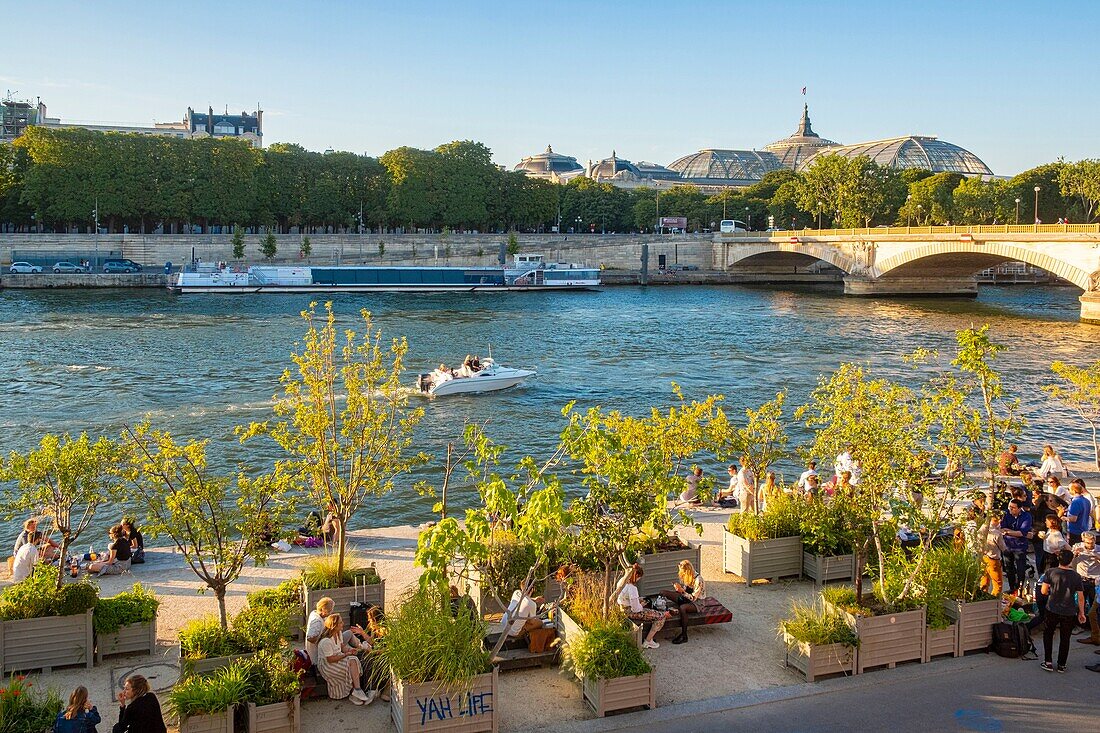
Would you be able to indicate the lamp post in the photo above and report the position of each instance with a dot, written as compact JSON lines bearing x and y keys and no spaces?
{"x":1017,"y":209}
{"x":748,"y":218}
{"x":95,"y":216}
{"x":819,"y":205}
{"x":724,"y":199}
{"x":658,"y":230}
{"x":908,"y":211}
{"x":1036,"y":206}
{"x":920,"y":213}
{"x":578,"y":228}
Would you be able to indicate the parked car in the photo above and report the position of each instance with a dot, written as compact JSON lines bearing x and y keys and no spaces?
{"x":121,"y":266}
{"x":24,"y":268}
{"x":61,"y":267}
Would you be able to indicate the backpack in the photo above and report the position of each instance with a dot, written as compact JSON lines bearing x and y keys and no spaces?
{"x":1013,"y":641}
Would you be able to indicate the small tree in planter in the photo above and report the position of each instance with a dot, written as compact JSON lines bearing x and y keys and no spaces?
{"x":54,"y":625}
{"x":205,"y":703}
{"x":613,"y":671}
{"x":348,"y":449}
{"x":440,"y":672}
{"x":215,"y":523}
{"x":126,"y":623}
{"x":826,"y":540}
{"x":67,"y":479}
{"x":272,"y":693}
{"x":306,"y":248}
{"x":819,"y":640}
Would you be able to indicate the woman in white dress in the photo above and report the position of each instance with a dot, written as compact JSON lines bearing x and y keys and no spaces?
{"x":1052,"y":464}
{"x":339,"y":665}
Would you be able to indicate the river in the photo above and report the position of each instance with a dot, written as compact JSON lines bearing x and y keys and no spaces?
{"x":200,"y":364}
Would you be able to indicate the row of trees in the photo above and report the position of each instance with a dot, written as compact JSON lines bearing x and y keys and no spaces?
{"x":57,"y":178}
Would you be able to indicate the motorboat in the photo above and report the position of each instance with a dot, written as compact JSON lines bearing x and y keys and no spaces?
{"x":489,"y":378}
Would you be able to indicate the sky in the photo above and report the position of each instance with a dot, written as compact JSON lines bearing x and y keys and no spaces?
{"x":1014,"y":82}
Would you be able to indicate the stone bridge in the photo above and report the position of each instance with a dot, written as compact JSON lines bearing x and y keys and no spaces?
{"x":924,"y":260}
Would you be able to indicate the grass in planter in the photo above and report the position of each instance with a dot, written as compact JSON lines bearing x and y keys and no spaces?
{"x":263,"y":627}
{"x":287,"y":594}
{"x":426,"y":642}
{"x":204,"y":638}
{"x":606,"y":652}
{"x":130,"y":607}
{"x":817,"y":624}
{"x":38,"y":597}
{"x":584,"y":602}
{"x":208,"y":694}
{"x":844,"y":597}
{"x":320,"y":571}
{"x":24,"y":709}
{"x":269,"y":678}
{"x":782,"y":519}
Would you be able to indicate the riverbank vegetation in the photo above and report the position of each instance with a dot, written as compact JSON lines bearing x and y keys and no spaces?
{"x":52,"y":178}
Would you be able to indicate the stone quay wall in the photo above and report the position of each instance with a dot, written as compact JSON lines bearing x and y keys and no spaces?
{"x":612,"y":251}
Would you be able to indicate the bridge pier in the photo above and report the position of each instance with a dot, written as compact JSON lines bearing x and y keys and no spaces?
{"x":1090,"y":307}
{"x":912,"y":286}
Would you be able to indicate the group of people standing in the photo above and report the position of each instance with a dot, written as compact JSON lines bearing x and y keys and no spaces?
{"x":138,"y":711}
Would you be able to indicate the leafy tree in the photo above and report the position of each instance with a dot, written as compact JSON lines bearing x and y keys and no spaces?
{"x":343,"y":418}
{"x":1052,"y":203}
{"x":513,"y":245}
{"x":217,"y":523}
{"x":931,"y":199}
{"x":381,"y":250}
{"x":409,"y":200}
{"x":269,"y":246}
{"x":1081,"y":181}
{"x":306,"y":248}
{"x":238,"y":244}
{"x":975,"y":201}
{"x":66,"y":479}
{"x":763,"y":440}
{"x":1080,"y":389}
{"x":784,"y":207}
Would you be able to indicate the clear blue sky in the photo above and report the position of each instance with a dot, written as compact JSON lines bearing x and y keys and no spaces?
{"x":1014,"y":82}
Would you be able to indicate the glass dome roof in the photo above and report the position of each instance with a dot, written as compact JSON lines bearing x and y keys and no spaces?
{"x":913,"y":151}
{"x":729,"y":167}
{"x":795,"y":149}
{"x":548,"y":162}
{"x":612,"y":167}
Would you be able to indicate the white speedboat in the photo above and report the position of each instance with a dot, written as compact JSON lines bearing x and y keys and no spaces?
{"x":490,"y":378}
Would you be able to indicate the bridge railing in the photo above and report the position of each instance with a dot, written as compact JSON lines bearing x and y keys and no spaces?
{"x":896,"y":231}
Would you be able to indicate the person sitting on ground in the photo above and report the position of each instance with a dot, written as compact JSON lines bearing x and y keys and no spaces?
{"x":47,"y":548}
{"x":339,"y":664}
{"x":1054,"y":541}
{"x":1052,"y":464}
{"x":79,"y":716}
{"x":1079,"y":514}
{"x":690,"y":495}
{"x":118,"y":559}
{"x":24,"y":561}
{"x":523,"y":615}
{"x":315,"y":628}
{"x":1008,"y":463}
{"x":139,"y":708}
{"x":137,"y":542}
{"x":462,"y":602}
{"x":376,"y":624}
{"x":727,"y":497}
{"x":626,"y":595}
{"x":813,"y":486}
{"x":687,"y":593}
{"x":330,"y":527}
{"x":1063,"y":610}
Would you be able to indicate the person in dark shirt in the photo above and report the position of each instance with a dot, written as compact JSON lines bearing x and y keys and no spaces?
{"x":1008,"y":463}
{"x":118,"y":560}
{"x":137,"y":542}
{"x":1016,"y":526}
{"x":139,"y":709}
{"x":1065,"y":608}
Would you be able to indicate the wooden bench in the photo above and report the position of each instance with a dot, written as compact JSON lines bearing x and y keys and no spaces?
{"x":711,"y":613}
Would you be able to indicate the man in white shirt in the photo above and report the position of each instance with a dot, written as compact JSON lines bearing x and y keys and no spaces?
{"x":803,"y":480}
{"x":24,"y":562}
{"x":523,"y":612}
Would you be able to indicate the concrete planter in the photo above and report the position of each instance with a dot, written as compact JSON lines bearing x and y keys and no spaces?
{"x":190,"y":667}
{"x":975,"y":621}
{"x":819,"y":660}
{"x":570,"y":629}
{"x":487,"y":605}
{"x":889,"y":639}
{"x":662,"y":568}
{"x":129,"y":639}
{"x":45,"y":643}
{"x":375,"y":594}
{"x":214,"y":723}
{"x":768,"y":559}
{"x":823,"y":568}
{"x":622,"y":693}
{"x":280,"y":717}
{"x":427,"y":707}
{"x":941,"y":642}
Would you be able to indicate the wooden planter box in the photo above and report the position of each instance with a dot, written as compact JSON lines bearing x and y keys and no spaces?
{"x":662,"y":568}
{"x":622,"y":693}
{"x":129,"y":639}
{"x":819,"y":660}
{"x":374,"y":593}
{"x":941,"y":642}
{"x":487,"y":605}
{"x":214,"y":723}
{"x":427,"y":707}
{"x":45,"y":643}
{"x":570,"y":629}
{"x":823,"y":568}
{"x":190,"y":667}
{"x":975,"y":621}
{"x":768,"y":559}
{"x":889,"y":639}
{"x":280,"y":717}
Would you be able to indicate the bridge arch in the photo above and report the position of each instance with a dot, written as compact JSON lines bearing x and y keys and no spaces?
{"x":806,"y":250}
{"x":964,"y":259}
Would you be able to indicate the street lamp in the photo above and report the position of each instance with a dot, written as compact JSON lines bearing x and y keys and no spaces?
{"x":920,"y":212}
{"x":578,"y":227}
{"x":1036,"y":205}
{"x":748,"y":218}
{"x":908,"y":211}
{"x":95,"y":215}
{"x":658,"y":230}
{"x":1017,"y":209}
{"x":819,"y":205}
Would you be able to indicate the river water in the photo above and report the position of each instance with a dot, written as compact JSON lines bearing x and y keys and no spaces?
{"x":200,"y":364}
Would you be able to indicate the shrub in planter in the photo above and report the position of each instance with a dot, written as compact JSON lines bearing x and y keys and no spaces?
{"x":134,"y":606}
{"x":38,"y":597}
{"x":613,"y":671}
{"x":323,"y":571}
{"x":287,"y":594}
{"x":53,"y":626}
{"x":204,"y":638}
{"x":889,"y":632}
{"x":26,"y":709}
{"x":262,"y":627}
{"x":819,"y":640}
{"x":206,"y":702}
{"x":764,"y":545}
{"x":271,"y":693}
{"x":826,"y":542}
